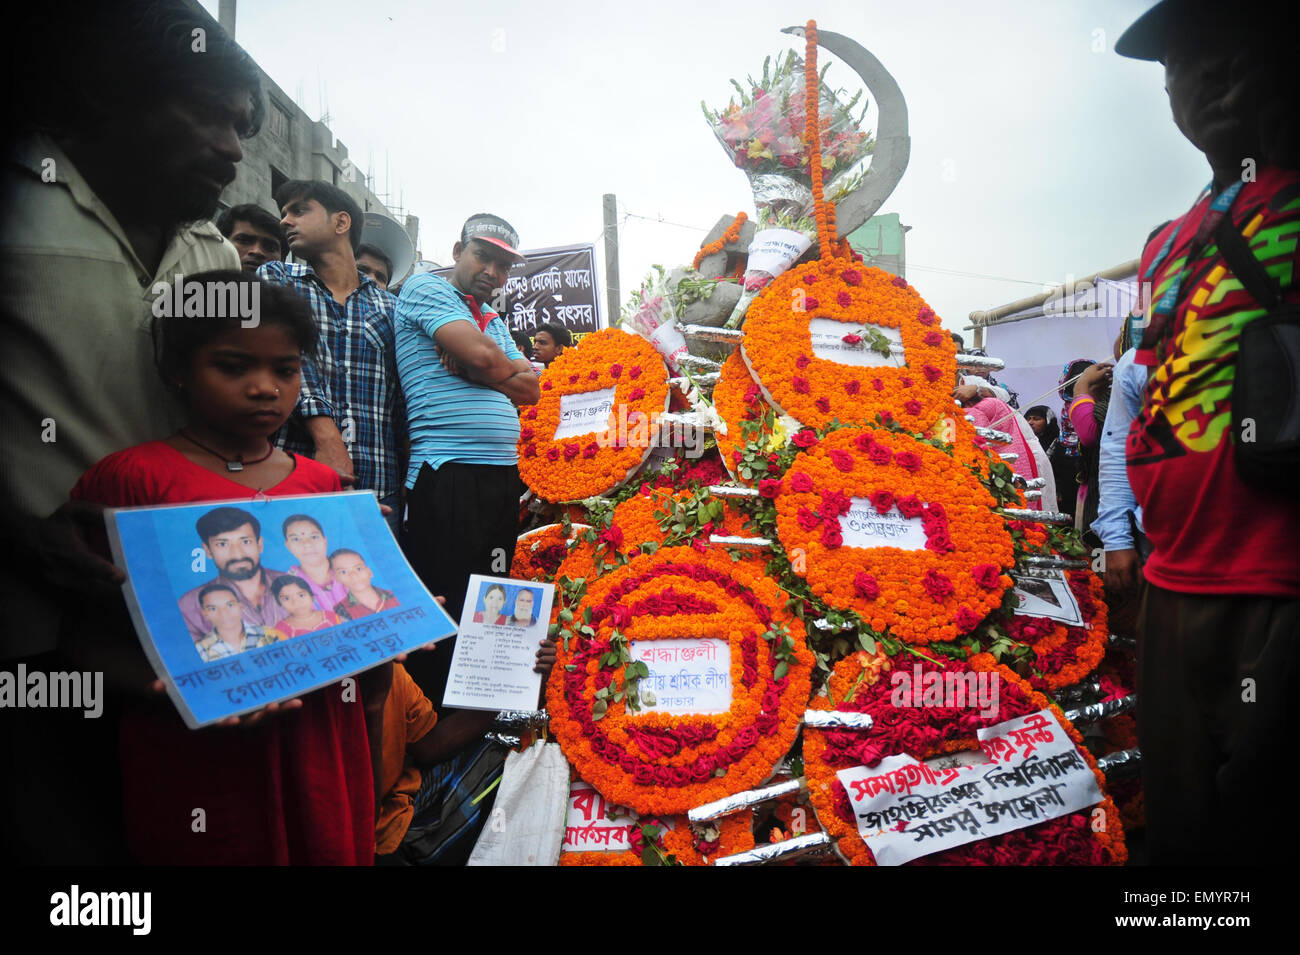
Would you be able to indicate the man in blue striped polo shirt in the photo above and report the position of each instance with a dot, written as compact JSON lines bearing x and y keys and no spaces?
{"x":462,"y":377}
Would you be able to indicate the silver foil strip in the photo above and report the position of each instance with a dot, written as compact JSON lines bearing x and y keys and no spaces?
{"x":1125,"y":643}
{"x":1020,"y":571}
{"x":720,"y":336}
{"x":1037,"y":517}
{"x":836,"y":720}
{"x":503,"y":739}
{"x":1033,"y":495}
{"x":969,"y":417}
{"x":1124,"y":763}
{"x":744,"y":543}
{"x":1010,"y":457}
{"x":1051,"y":563}
{"x":821,"y":623}
{"x":992,"y":434}
{"x":1032,"y":484}
{"x":729,"y":490}
{"x":696,"y":363}
{"x":1073,"y":694}
{"x":814,"y":843}
{"x":1100,"y":711}
{"x":980,"y":362}
{"x":520,"y":719}
{"x":752,"y":797}
{"x":705,"y":379}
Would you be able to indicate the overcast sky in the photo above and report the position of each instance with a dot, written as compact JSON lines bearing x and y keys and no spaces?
{"x":1037,"y":152}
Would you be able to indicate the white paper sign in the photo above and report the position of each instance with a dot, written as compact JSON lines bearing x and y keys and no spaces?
{"x":1050,"y":597}
{"x":864,"y":526}
{"x":687,"y":676}
{"x":906,"y":809}
{"x":828,"y":343}
{"x":501,"y":627}
{"x":584,"y":413}
{"x":591,"y":824}
{"x":772,"y":250}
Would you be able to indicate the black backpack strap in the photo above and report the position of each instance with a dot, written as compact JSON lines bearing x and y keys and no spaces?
{"x":1236,"y":250}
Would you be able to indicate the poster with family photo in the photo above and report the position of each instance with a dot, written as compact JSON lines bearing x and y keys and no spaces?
{"x":244,"y":603}
{"x":1047,"y":594}
{"x":501,"y":626}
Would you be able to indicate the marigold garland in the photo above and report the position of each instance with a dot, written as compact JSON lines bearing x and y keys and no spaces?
{"x":936,"y":593}
{"x":655,"y":762}
{"x":823,"y":211}
{"x":731,"y":235}
{"x":539,"y":552}
{"x":923,"y":732}
{"x":575,"y":468}
{"x":778,"y":348}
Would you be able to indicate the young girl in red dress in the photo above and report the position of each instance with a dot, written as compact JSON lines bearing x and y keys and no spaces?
{"x":292,"y":783}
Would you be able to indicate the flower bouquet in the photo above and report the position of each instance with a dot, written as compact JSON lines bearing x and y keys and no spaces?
{"x":651,"y":314}
{"x":764,"y":133}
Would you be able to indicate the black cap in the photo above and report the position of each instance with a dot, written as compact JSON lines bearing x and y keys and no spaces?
{"x":1149,"y":36}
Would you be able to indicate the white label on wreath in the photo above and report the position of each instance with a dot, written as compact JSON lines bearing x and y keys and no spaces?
{"x":591,"y":824}
{"x":687,"y":676}
{"x":864,"y":526}
{"x":1047,"y":594}
{"x":586,"y":412}
{"x":1033,"y":772}
{"x":828,"y":343}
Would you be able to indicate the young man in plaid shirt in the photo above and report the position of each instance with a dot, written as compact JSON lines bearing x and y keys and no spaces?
{"x":350,"y":413}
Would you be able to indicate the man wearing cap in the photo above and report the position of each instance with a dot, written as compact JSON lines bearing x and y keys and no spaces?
{"x":1220,"y":621}
{"x":462,"y":376}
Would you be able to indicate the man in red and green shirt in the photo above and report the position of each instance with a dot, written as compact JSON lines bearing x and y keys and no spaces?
{"x":1220,"y":621}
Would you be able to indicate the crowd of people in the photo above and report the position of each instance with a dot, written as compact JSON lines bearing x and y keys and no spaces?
{"x":414,"y":396}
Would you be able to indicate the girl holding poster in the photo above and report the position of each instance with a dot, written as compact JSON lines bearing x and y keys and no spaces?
{"x":282,"y":790}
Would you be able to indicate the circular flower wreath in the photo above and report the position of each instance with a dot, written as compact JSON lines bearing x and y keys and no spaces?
{"x":574,"y":468}
{"x":926,"y":731}
{"x":655,"y":762}
{"x":937,"y":593}
{"x":539,"y":552}
{"x":1064,"y":655}
{"x":740,"y":404}
{"x":778,"y":347}
{"x":730,"y":835}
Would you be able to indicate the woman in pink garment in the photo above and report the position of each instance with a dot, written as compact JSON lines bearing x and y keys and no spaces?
{"x":305,"y":539}
{"x":1031,"y":462}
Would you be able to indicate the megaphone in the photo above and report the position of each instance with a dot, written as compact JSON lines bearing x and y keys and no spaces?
{"x":385,"y":233}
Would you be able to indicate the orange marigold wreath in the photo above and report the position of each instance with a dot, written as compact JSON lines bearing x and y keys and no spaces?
{"x":933,"y":594}
{"x":778,"y":347}
{"x":656,"y":762}
{"x":643,"y":518}
{"x":740,"y":404}
{"x":590,"y":464}
{"x":539,"y":552}
{"x":856,"y":685}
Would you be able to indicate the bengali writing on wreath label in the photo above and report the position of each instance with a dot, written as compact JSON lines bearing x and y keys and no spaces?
{"x":864,"y":526}
{"x":687,"y":675}
{"x":828,"y":343}
{"x":586,"y":412}
{"x":592,"y":824}
{"x":1033,"y":772}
